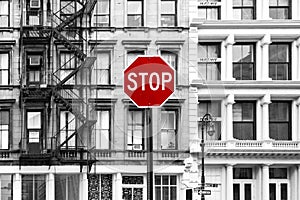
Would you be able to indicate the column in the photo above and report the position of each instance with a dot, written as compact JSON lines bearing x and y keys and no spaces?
{"x":298,"y":58}
{"x":229,"y":120}
{"x":223,"y":183}
{"x":84,"y":190}
{"x":266,"y":40}
{"x":266,"y":100}
{"x":229,"y":182}
{"x":265,"y":9}
{"x":229,"y":10}
{"x":118,"y":187}
{"x":294,"y":62}
{"x":265,"y":182}
{"x":228,"y":44}
{"x":298,"y":118}
{"x":50,"y":189}
{"x":298,"y":184}
{"x":17,"y":187}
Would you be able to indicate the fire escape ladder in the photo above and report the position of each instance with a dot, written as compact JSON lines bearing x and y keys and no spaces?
{"x":89,"y":6}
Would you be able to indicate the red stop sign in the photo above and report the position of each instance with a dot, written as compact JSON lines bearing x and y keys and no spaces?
{"x":149,"y":81}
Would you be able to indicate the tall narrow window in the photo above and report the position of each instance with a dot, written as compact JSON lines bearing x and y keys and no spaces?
{"x":279,"y":61}
{"x":34,"y":11}
{"x":67,"y":128}
{"x":132,"y":55}
{"x":133,"y":187}
{"x":34,"y":69}
{"x":280,"y":9}
{"x":214,"y":109}
{"x":102,"y":13}
{"x":209,"y":61}
{"x":244,"y":9}
{"x":67,"y":187}
{"x":6,"y":185}
{"x":279,"y":120}
{"x":278,"y":183}
{"x":4,"y":129}
{"x":165,"y":187}
{"x":101,"y":70}
{"x":243,"y":62}
{"x":4,"y":68}
{"x":209,"y":10}
{"x":4,"y":13}
{"x":68,"y":63}
{"x":102,"y":129}
{"x":171,"y":58}
{"x":242,"y":183}
{"x":34,"y":131}
{"x":244,"y":121}
{"x":33,"y":187}
{"x":135,"y":130}
{"x":135,"y":13}
{"x":168,"y":129}
{"x":168,"y":13}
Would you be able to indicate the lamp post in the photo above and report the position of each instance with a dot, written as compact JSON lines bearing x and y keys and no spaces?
{"x":207,"y":122}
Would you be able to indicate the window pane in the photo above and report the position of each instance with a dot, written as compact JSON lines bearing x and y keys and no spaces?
{"x":134,"y":7}
{"x":132,"y":55}
{"x":247,"y":13}
{"x":248,"y":2}
{"x":283,"y":53}
{"x":167,"y":20}
{"x":157,"y":193}
{"x":237,"y":14}
{"x":242,"y":173}
{"x":247,"y":191}
{"x":6,"y":187}
{"x":283,"y":191}
{"x":34,"y":120}
{"x":157,"y":180}
{"x":3,"y":61}
{"x":4,"y":9}
{"x":102,"y":7}
{"x":236,"y":191}
{"x":170,"y":58}
{"x":279,"y":131}
{"x":279,"y":111}
{"x":278,"y":173}
{"x":212,"y":13}
{"x":202,"y":13}
{"x":243,"y":131}
{"x":273,"y":2}
{"x":33,"y":187}
{"x":237,"y":2}
{"x":272,"y":188}
{"x":168,"y":7}
{"x":66,"y":187}
{"x":168,"y":139}
{"x":283,"y":2}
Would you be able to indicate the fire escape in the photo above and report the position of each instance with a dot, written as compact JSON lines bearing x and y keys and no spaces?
{"x":67,"y":86}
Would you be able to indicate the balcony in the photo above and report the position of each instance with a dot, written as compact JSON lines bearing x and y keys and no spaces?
{"x":247,"y":148}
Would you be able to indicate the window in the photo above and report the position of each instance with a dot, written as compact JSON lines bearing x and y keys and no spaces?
{"x":67,"y":8}
{"x":135,"y":129}
{"x":165,"y":187}
{"x":102,"y":129}
{"x":168,"y":13}
{"x":67,"y":187}
{"x":278,"y":183}
{"x":132,"y":187}
{"x":34,"y":126}
{"x":280,"y":9}
{"x":4,"y":13}
{"x":132,"y":55}
{"x":34,"y":13}
{"x":213,"y":108}
{"x":100,"y":185}
{"x":209,"y":61}
{"x":68,"y":63}
{"x":67,"y":128}
{"x":6,"y":185}
{"x":244,"y":9}
{"x":34,"y":187}
{"x":4,"y":129}
{"x":244,"y":121}
{"x":135,"y":13}
{"x":4,"y":68}
{"x":279,"y":61}
{"x":102,"y":16}
{"x":34,"y":69}
{"x":279,"y":120}
{"x":170,"y":58}
{"x":209,"y":10}
{"x":242,"y":183}
{"x":101,"y":70}
{"x":168,"y":129}
{"x":243,"y":62}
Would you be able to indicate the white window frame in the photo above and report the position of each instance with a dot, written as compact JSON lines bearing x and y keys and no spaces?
{"x":143,"y":186}
{"x":161,"y":185}
{"x":32,"y":2}
{"x":278,"y":182}
{"x":96,"y":14}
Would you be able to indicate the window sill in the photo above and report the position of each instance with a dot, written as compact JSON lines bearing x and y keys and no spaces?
{"x":175,"y":28}
{"x":6,"y":87}
{"x":111,"y":29}
{"x":139,"y":28}
{"x":105,"y":87}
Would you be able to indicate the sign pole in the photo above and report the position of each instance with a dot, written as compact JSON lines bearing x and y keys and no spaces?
{"x":149,"y":155}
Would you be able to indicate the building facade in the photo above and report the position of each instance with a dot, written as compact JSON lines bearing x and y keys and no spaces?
{"x":245,"y":73}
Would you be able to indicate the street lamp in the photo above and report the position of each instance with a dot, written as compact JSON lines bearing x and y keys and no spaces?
{"x":207,"y":122}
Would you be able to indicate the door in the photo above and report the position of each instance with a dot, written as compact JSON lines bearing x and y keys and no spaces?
{"x":34,"y":131}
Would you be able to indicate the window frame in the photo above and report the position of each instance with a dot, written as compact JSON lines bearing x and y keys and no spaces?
{"x":168,"y":14}
{"x":289,"y":9}
{"x":32,"y":181}
{"x":241,"y":7}
{"x":66,"y":179}
{"x":253,"y":63}
{"x":8,"y":15}
{"x":141,"y":15}
{"x":217,"y":119}
{"x":278,"y":182}
{"x":253,"y":122}
{"x":176,"y":112}
{"x":210,"y":5}
{"x":162,"y":185}
{"x":206,"y":60}
{"x":40,"y":130}
{"x":242,"y":182}
{"x":67,"y":131}
{"x":73,"y":79}
{"x":34,"y":68}
{"x":9,"y":128}
{"x":109,"y":109}
{"x":95,"y":15}
{"x":8,"y":67}
{"x":94,"y":78}
{"x":143,"y":145}
{"x":289,"y":122}
{"x":289,"y":75}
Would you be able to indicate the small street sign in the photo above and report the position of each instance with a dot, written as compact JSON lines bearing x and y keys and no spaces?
{"x":211,"y":185}
{"x":204,"y":192}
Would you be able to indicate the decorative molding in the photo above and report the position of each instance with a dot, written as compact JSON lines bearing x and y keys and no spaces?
{"x":170,"y":42}
{"x":103,"y":42}
{"x":136,"y":42}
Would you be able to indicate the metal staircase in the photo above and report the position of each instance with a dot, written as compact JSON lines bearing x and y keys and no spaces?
{"x":66,"y":31}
